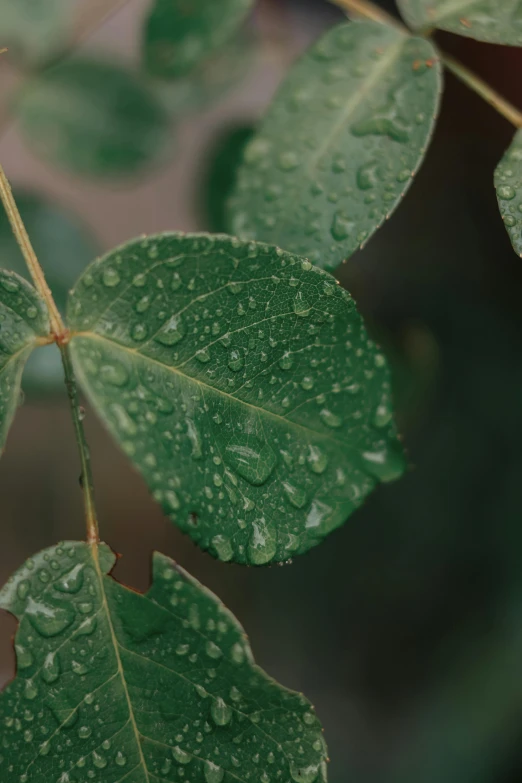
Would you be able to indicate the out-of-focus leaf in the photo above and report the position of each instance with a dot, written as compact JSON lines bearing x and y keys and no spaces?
{"x":181,"y":34}
{"x":208,"y":83}
{"x":220,"y":176}
{"x":495,"y":21}
{"x":508,"y":184}
{"x":23,"y":319}
{"x":340,"y":144}
{"x":64,"y":248}
{"x":112,"y":685}
{"x":241,"y":382}
{"x":92,"y":118}
{"x":34,"y":29}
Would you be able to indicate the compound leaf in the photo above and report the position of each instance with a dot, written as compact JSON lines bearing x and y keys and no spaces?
{"x":114,"y":685}
{"x":339,"y":146}
{"x":64,"y":248}
{"x":241,"y":382}
{"x":181,"y":34}
{"x":23,"y":320}
{"x":92,"y":118}
{"x":508,"y":184}
{"x":494,"y":21}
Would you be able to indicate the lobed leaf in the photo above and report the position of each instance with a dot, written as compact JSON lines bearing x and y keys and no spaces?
{"x":508,"y":184}
{"x":113,"y":685}
{"x":494,"y":21}
{"x":180,"y":35}
{"x":242,"y":384}
{"x":64,"y":247}
{"x":340,"y":144}
{"x":92,"y":118}
{"x":23,"y":319}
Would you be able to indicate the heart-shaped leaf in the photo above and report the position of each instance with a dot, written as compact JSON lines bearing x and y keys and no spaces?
{"x":23,"y":320}
{"x":112,"y":685}
{"x":64,"y":248}
{"x":340,"y":144}
{"x":495,"y":21}
{"x":241,"y":382}
{"x":508,"y":184}
{"x":180,"y":35}
{"x":92,"y":118}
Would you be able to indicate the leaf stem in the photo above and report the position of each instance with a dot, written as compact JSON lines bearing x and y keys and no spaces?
{"x":369,"y":10}
{"x":85,"y":458}
{"x":36,"y":271}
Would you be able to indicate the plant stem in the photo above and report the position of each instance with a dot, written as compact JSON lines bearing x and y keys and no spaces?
{"x":36,"y":271}
{"x":474,"y":82}
{"x":85,"y":458}
{"x":369,"y":10}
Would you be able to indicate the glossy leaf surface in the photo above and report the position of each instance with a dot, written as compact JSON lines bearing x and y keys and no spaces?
{"x":180,"y":34}
{"x":64,"y":248}
{"x":92,"y":118}
{"x":340,"y":144}
{"x":33,"y":29}
{"x":23,"y":319}
{"x":113,"y":685}
{"x":496,"y":21}
{"x":508,"y":184}
{"x":241,"y":382}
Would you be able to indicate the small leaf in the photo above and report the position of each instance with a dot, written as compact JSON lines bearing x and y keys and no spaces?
{"x":242,"y":384}
{"x":340,"y":144}
{"x":494,"y":21}
{"x":64,"y":248}
{"x":92,"y":118}
{"x":180,"y":35}
{"x":33,"y":30}
{"x":508,"y":184}
{"x":115,"y":685}
{"x":23,"y":319}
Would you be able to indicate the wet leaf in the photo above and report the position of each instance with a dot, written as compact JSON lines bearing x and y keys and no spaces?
{"x":179,"y":35}
{"x":241,"y":382}
{"x":115,"y":685}
{"x":34,"y":29}
{"x":64,"y":248}
{"x":92,"y":118}
{"x":339,"y":146}
{"x":23,"y":319}
{"x":508,"y":184}
{"x":495,"y":21}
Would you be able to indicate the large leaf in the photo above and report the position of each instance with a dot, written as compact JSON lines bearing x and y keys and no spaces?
{"x":243,"y":385}
{"x":64,"y":248}
{"x":339,"y":146}
{"x":112,"y":685}
{"x":496,"y":21}
{"x":23,"y":320}
{"x":92,"y":118}
{"x":33,"y":29}
{"x":508,"y":184}
{"x":180,"y":34}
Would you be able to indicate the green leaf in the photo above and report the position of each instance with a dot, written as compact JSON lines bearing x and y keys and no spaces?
{"x":34,"y":29}
{"x":242,"y":384}
{"x":64,"y":248}
{"x":180,"y":35}
{"x":340,"y":143}
{"x":508,"y":184}
{"x":494,"y":21}
{"x":220,"y":175}
{"x":92,"y":118}
{"x":113,"y":685}
{"x":23,"y":319}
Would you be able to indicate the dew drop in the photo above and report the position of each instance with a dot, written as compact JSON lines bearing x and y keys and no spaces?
{"x":181,"y":756}
{"x":317,"y":460}
{"x":301,"y":306}
{"x":72,"y":582}
{"x":49,"y":619}
{"x":171,"y":332}
{"x":235,"y":360}
{"x":295,"y":495}
{"x":223,"y":547}
{"x":330,"y":419}
{"x":110,"y":277}
{"x":221,"y":712}
{"x":213,"y":773}
{"x":251,"y":458}
{"x":263,"y":543}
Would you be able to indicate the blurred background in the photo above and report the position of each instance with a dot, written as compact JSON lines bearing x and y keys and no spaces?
{"x":405,"y":627}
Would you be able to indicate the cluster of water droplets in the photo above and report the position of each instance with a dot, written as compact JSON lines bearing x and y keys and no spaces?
{"x":508,"y":183}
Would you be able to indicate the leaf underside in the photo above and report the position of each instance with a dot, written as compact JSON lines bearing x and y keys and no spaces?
{"x":340,"y":143}
{"x":508,"y":184}
{"x":241,"y":382}
{"x":116,"y":686}
{"x":179,"y":36}
{"x":493,"y":21}
{"x":23,"y":319}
